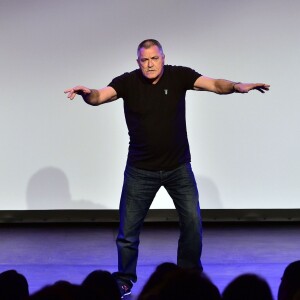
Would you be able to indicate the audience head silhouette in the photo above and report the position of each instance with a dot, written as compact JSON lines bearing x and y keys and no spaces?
{"x":167,"y":282}
{"x":161,"y":272}
{"x":13,"y":286}
{"x":178,"y":284}
{"x":289,"y":287}
{"x":61,"y":290}
{"x":102,"y":284}
{"x":247,"y":287}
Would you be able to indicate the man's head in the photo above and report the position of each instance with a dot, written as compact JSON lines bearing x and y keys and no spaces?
{"x":151,"y":59}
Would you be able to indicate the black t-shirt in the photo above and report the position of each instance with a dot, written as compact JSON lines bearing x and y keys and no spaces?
{"x":155,"y":117}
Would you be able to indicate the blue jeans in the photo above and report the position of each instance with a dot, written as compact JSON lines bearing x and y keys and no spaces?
{"x":139,"y":190}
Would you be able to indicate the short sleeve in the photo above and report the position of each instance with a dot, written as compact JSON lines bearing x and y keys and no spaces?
{"x":120,"y":84}
{"x":187,"y":76}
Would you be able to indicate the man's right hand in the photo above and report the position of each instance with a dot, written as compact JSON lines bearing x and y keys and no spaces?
{"x":92,"y":96}
{"x":77,"y":90}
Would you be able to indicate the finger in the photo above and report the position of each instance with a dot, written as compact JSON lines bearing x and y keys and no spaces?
{"x":67,"y":91}
{"x":263,"y":86}
{"x":260,"y":89}
{"x":77,"y":88}
{"x":72,"y":95}
{"x":80,"y":90}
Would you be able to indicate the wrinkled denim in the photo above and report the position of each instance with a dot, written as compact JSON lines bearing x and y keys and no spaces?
{"x":139,"y":190}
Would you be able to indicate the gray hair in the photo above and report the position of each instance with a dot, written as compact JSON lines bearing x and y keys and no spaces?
{"x":149,"y":43}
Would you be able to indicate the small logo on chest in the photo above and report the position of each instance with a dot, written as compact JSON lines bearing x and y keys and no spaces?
{"x":166,"y":91}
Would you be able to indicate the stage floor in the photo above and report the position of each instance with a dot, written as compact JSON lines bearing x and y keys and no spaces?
{"x":45,"y":253}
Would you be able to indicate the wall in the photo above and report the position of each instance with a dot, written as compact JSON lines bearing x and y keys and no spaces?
{"x":59,"y":154}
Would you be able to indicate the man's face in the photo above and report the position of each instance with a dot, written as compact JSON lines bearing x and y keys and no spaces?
{"x":151,"y":62}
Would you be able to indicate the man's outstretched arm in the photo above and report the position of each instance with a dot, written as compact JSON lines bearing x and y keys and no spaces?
{"x":222,"y":86}
{"x":92,"y":96}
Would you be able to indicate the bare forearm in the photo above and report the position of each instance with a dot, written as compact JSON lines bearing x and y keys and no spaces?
{"x":91,"y":98}
{"x":223,"y":86}
{"x":218,"y":86}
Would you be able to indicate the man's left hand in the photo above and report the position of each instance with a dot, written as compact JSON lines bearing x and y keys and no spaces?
{"x":246,"y":87}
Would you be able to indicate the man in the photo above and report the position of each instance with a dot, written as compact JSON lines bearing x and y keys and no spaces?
{"x":159,"y":155}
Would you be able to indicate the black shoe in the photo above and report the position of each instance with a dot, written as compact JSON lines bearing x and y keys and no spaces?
{"x":125,"y":290}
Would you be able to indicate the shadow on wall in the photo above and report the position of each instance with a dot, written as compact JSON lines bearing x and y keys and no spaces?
{"x":49,"y":189}
{"x":209,"y":195}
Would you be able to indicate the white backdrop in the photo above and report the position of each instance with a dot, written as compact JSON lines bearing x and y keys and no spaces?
{"x":59,"y":154}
